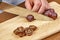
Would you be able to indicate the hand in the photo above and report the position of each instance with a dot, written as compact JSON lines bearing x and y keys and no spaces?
{"x":37,"y":5}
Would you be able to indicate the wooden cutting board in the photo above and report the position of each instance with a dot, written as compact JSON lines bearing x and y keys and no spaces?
{"x":45,"y":28}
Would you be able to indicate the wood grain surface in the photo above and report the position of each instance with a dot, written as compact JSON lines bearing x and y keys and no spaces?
{"x":5,"y":16}
{"x":11,"y":22}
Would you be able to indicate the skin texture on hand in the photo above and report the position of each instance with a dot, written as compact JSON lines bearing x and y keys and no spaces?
{"x":37,"y":5}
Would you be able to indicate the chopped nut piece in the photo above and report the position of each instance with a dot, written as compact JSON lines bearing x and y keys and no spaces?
{"x":30,"y":18}
{"x":21,"y":34}
{"x":33,"y":27}
{"x":20,"y":31}
{"x":50,"y":13}
{"x":28,"y":31}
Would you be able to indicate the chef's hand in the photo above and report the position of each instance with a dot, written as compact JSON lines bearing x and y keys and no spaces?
{"x":37,"y":5}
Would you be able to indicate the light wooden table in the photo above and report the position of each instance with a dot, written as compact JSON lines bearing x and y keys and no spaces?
{"x":5,"y":16}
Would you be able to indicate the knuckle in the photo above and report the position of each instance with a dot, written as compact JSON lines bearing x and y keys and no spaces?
{"x":43,"y":6}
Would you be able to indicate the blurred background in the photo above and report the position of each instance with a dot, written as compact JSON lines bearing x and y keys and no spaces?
{"x":13,"y":2}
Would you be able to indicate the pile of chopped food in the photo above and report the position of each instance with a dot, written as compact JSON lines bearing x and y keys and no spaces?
{"x":21,"y":31}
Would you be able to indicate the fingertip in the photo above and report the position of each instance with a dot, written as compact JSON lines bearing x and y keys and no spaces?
{"x":36,"y":7}
{"x":41,"y":10}
{"x":28,"y":5}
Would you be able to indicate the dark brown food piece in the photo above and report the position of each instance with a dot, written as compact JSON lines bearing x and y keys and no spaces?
{"x":21,"y":34}
{"x":30,"y":18}
{"x":16,"y":31}
{"x":28,"y":31}
{"x":33,"y":27}
{"x":50,"y":13}
{"x":20,"y":31}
